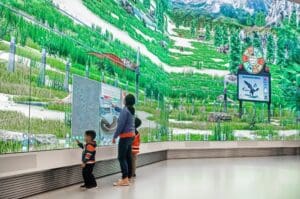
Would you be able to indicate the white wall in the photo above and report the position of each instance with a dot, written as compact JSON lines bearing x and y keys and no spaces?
{"x":22,"y":163}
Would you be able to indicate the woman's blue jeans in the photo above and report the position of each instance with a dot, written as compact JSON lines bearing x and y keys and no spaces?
{"x":124,"y":156}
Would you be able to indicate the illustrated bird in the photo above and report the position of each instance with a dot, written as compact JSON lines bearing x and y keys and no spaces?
{"x":252,"y":89}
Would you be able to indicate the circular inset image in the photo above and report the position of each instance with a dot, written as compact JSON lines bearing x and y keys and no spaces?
{"x":253,"y":60}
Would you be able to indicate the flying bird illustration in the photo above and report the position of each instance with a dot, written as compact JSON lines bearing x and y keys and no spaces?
{"x":252,"y":89}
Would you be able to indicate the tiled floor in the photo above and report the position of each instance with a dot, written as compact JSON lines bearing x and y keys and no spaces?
{"x":231,"y":178}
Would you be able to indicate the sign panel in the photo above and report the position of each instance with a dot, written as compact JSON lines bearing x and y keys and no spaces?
{"x":96,"y":106}
{"x":254,"y":88}
{"x":110,"y":108}
{"x":85,"y":105}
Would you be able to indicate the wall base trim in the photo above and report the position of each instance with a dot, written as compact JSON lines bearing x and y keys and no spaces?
{"x":32,"y":183}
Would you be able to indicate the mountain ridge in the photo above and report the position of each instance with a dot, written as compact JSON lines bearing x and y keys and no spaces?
{"x":274,"y":10}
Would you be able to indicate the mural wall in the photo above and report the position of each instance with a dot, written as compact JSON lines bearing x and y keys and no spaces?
{"x":65,"y":64}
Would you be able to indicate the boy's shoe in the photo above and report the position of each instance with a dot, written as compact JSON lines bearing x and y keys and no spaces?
{"x":82,"y":186}
{"x":122,"y":182}
{"x":91,"y":187}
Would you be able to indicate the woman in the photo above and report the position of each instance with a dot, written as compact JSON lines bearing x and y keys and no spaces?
{"x":126,"y":132}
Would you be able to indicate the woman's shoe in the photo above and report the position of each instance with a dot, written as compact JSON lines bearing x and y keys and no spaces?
{"x":122,"y":182}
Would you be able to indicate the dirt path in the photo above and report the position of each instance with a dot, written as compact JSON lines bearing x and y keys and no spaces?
{"x":146,"y":123}
{"x":6,"y":104}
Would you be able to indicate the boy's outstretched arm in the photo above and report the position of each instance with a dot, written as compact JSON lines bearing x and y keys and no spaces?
{"x":79,"y":144}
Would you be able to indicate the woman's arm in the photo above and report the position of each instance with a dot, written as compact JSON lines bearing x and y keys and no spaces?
{"x":121,"y":123}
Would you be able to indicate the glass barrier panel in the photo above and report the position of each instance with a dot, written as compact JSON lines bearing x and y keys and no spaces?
{"x":15,"y":74}
{"x":60,"y":77}
{"x":50,"y":118}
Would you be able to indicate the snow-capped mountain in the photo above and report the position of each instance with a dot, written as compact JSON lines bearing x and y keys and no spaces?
{"x":214,"y":6}
{"x":274,"y":9}
{"x":280,"y":8}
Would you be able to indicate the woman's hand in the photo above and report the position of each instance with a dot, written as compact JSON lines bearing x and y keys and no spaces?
{"x":114,"y":141}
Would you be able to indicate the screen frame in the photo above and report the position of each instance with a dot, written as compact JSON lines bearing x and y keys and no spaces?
{"x":261,"y":74}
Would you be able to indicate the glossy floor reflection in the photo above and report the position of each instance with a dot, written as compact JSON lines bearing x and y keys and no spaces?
{"x":231,"y":178}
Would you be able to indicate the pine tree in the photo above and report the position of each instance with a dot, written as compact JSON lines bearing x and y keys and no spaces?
{"x":260,"y":19}
{"x":193,"y":27}
{"x":247,"y":42}
{"x":281,"y":49}
{"x":146,"y":4}
{"x":218,"y":36}
{"x":256,"y":40}
{"x":160,"y":15}
{"x":298,"y":97}
{"x":207,"y":32}
{"x":225,"y":36}
{"x":249,"y":21}
{"x":23,"y":35}
{"x":109,"y":67}
{"x":270,"y":49}
{"x":235,"y":52}
{"x":293,"y":20}
{"x":165,"y":4}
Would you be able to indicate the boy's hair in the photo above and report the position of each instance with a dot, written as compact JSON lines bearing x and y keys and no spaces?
{"x":91,"y":133}
{"x":137,"y":122}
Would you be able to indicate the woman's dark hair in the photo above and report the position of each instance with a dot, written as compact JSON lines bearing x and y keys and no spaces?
{"x":137,"y":122}
{"x":129,"y":103}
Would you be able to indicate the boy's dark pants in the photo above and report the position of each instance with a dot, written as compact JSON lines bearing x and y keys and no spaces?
{"x":124,"y":156}
{"x":134,"y":158}
{"x":88,"y":177}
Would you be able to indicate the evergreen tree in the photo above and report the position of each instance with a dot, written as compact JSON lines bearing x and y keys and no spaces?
{"x":177,"y":24}
{"x":193,"y":27}
{"x":225,"y":36}
{"x":24,"y":35}
{"x":298,"y":97}
{"x":218,"y":36}
{"x":293,"y":20}
{"x":146,"y":4}
{"x":160,"y":15}
{"x":260,"y":19}
{"x":247,"y":43}
{"x":235,"y":52}
{"x":256,"y":40}
{"x":270,"y":49}
{"x":207,"y":32}
{"x":165,"y":4}
{"x":289,"y":49}
{"x":249,"y":21}
{"x":281,"y":49}
{"x":109,"y":67}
